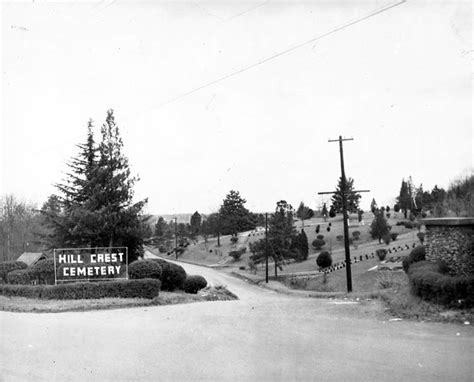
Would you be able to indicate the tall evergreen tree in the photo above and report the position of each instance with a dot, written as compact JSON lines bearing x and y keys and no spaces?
{"x":404,"y":198}
{"x":373,"y":206}
{"x":300,"y":244}
{"x":282,"y":238}
{"x":351,"y":197}
{"x":233,"y":215}
{"x":97,"y":197}
{"x":195,"y":223}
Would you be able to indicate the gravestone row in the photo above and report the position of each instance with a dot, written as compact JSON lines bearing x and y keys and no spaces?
{"x":342,"y":264}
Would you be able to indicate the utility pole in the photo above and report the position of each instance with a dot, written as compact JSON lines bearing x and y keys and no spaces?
{"x":176,"y":237}
{"x":218,"y":229}
{"x":344,"y":211}
{"x":266,"y":247}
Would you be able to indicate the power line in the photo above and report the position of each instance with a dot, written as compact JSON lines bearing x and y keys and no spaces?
{"x":276,"y":55}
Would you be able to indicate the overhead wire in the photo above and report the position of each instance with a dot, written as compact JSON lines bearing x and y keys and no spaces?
{"x":276,"y":55}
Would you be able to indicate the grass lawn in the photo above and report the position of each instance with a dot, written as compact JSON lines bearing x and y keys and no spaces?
{"x":28,"y":305}
{"x":362,"y":279}
{"x":209,"y":253}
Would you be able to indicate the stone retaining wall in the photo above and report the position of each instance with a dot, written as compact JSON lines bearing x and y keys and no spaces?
{"x":451,"y":240}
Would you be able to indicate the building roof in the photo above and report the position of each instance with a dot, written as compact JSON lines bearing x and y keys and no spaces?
{"x":30,"y":258}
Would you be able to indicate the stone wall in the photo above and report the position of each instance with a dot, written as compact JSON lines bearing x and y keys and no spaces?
{"x":451,"y":240}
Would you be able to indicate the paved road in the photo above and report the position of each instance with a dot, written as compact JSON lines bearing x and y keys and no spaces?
{"x":263,"y":336}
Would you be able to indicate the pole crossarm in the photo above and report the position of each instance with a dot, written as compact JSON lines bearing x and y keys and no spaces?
{"x":340,"y":139}
{"x":333,"y":192}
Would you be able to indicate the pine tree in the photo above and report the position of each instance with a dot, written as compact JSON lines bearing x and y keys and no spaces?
{"x":301,"y":245}
{"x":379,"y":227}
{"x":404,"y":198}
{"x":304,"y":212}
{"x":351,"y":197}
{"x":233,"y":215}
{"x":324,"y":212}
{"x":97,"y":197}
{"x":282,"y":234}
{"x":282,"y":238}
{"x":373,"y":206}
{"x":195,"y":223}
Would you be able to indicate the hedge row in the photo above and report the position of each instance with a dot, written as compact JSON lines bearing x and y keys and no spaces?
{"x":145,"y":288}
{"x":8,"y":266}
{"x":19,"y":276}
{"x":428,"y":283}
{"x":43,"y":271}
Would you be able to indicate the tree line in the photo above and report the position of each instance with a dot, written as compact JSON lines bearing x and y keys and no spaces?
{"x":457,"y":200}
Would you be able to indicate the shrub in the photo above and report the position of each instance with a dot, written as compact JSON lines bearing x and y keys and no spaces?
{"x":386,"y":238}
{"x":324,"y":260}
{"x":144,"y":269}
{"x":408,"y":224}
{"x":416,"y":255}
{"x":356,"y":235}
{"x":320,"y":237}
{"x":237,"y":254}
{"x":381,"y":253}
{"x":428,"y":283}
{"x":8,"y":266}
{"x":172,"y":275}
{"x":193,"y":284}
{"x":318,"y":243}
{"x":421,"y":236}
{"x":394,"y":236}
{"x":144,"y":288}
{"x":19,"y":276}
{"x":234,"y":239}
{"x":43,"y":271}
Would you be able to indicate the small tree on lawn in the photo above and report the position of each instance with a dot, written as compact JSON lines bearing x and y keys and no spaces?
{"x":325,"y":212}
{"x":301,"y":245}
{"x":373,"y":206}
{"x":324,"y":260}
{"x":379,"y":227}
{"x":304,"y":212}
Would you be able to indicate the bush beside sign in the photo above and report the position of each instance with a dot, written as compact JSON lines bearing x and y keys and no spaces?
{"x":83,"y":264}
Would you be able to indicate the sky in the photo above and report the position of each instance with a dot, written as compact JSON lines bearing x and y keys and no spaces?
{"x":399,"y":83}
